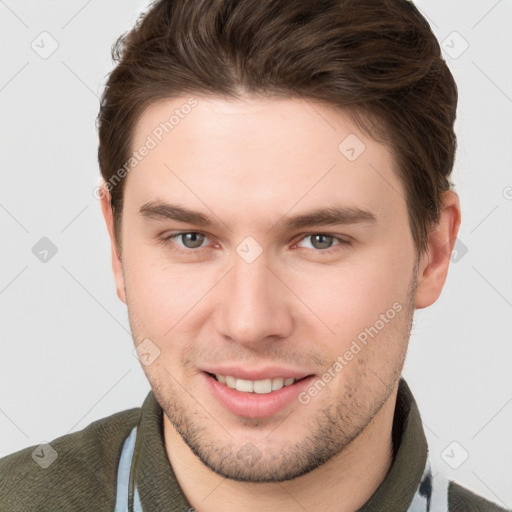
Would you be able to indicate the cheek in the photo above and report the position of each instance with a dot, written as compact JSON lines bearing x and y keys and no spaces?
{"x":333,"y":303}
{"x":159,"y":295}
{"x":350,"y":300}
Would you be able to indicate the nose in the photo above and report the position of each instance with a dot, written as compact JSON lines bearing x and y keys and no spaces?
{"x":254,"y":306}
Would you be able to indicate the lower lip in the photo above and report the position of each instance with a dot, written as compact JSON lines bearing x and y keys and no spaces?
{"x":254,"y":405}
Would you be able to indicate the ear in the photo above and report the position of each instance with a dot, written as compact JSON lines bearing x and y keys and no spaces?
{"x":434,"y":263}
{"x":117,"y":264}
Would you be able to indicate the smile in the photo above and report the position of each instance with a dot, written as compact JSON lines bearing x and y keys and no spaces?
{"x":261,"y":387}
{"x":255,"y":398}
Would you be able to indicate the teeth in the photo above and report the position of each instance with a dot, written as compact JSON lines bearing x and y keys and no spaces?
{"x":230,"y":382}
{"x":244,"y":385}
{"x":261,"y":387}
{"x":277,"y":384}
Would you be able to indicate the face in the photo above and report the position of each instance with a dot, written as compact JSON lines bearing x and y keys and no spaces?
{"x":265,"y":240}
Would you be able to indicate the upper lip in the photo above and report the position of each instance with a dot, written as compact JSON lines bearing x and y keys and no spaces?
{"x":258,"y":373}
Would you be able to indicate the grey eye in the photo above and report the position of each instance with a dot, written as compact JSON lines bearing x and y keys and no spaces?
{"x":192,"y":240}
{"x":321,"y":241}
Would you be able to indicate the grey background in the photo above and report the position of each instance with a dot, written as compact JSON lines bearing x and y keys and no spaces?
{"x":66,"y":347}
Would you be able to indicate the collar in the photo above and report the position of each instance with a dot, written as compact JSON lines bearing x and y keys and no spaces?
{"x":397,"y":490}
{"x":159,"y":489}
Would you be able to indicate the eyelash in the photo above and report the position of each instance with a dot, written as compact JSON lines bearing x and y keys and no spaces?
{"x":169,"y":240}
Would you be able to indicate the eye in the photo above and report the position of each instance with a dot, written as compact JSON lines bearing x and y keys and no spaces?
{"x":190,"y":239}
{"x":322,"y":242}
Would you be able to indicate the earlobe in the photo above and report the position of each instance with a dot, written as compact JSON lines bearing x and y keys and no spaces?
{"x":117,"y":264}
{"x":434,"y":263}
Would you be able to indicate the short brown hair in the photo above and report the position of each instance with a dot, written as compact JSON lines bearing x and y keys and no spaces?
{"x":376,"y":59}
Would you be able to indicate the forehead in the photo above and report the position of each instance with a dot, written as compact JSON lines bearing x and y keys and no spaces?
{"x":259,"y":156}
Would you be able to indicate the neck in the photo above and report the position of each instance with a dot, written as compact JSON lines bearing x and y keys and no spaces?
{"x":343,"y":484}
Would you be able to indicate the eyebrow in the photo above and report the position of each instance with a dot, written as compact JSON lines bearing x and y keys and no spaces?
{"x":161,"y":211}
{"x":328,"y":216}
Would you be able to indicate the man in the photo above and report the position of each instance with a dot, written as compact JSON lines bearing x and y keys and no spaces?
{"x":276,"y":191}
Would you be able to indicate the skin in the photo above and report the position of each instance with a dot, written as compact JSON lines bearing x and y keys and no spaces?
{"x":247,"y":164}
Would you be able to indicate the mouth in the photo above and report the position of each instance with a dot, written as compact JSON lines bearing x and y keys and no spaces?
{"x":262,"y":398}
{"x":260,"y":387}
